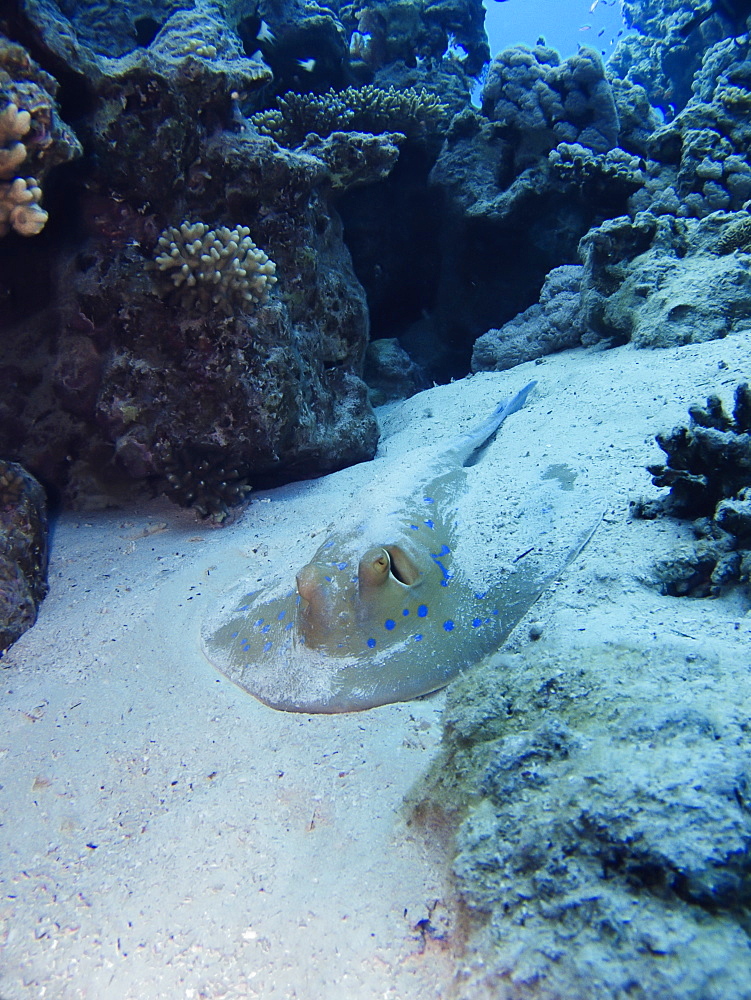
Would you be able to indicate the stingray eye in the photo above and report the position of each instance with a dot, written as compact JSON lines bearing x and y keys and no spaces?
{"x":402,"y":566}
{"x":374,"y":567}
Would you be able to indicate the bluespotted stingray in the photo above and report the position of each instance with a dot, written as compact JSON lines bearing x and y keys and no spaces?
{"x":391,"y":607}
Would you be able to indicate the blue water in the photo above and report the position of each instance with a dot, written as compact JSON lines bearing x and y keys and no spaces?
{"x":565,"y":24}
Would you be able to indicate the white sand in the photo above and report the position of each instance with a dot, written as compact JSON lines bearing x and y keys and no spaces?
{"x":166,"y":836}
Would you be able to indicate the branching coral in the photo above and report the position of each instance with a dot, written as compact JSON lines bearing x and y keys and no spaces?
{"x":208,"y":482}
{"x":412,"y":112}
{"x":214,"y":267}
{"x":19,"y":196}
{"x":709,"y":474}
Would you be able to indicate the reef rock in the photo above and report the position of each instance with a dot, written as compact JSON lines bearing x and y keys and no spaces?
{"x":23,"y":551}
{"x":662,"y":282}
{"x":602,"y":825}
{"x":553,"y":324}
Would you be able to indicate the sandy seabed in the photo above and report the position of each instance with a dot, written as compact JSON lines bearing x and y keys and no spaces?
{"x":164,"y":835}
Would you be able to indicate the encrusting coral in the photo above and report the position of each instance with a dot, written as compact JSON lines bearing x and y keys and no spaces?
{"x":215,"y":267}
{"x":735,"y":236}
{"x":364,"y":109}
{"x":709,"y":474}
{"x":19,"y":196}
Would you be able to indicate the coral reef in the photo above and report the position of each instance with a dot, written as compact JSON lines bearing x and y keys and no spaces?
{"x":708,"y":471}
{"x":544,"y":147}
{"x":601,"y":825}
{"x":23,"y":551}
{"x":412,"y":112}
{"x":112,"y":380}
{"x":698,"y":163}
{"x":384,"y":32}
{"x":214,"y":267}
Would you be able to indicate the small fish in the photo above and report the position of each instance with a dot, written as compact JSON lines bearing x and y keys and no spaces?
{"x":307,"y":64}
{"x":265,"y":34}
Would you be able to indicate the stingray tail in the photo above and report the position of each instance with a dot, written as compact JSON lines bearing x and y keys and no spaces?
{"x":516,"y":402}
{"x":469,"y":443}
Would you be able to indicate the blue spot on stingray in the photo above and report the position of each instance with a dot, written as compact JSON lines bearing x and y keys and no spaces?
{"x":341,"y":565}
{"x":281,"y":615}
{"x":414,"y":527}
{"x":448,"y":626}
{"x":430,"y":524}
{"x":370,"y":643}
{"x":389,"y":624}
{"x":418,"y":637}
{"x":327,"y":579}
{"x":267,"y":646}
{"x":422,"y":610}
{"x":329,"y":544}
{"x":479,"y":597}
{"x":405,"y":612}
{"x":244,"y":607}
{"x":444,"y":572}
{"x":288,"y":626}
{"x":234,"y":635}
{"x":444,"y":550}
{"x":428,"y":499}
{"x":495,"y":612}
{"x":266,"y":628}
{"x":476,"y":622}
{"x":297,"y":598}
{"x":259,"y":622}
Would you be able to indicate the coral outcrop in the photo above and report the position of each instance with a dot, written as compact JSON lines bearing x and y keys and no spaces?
{"x":543,"y":101}
{"x":220,"y":268}
{"x":661,"y":282}
{"x":553,"y":324}
{"x":166,"y":366}
{"x":599,"y":796}
{"x":23,"y":551}
{"x":708,"y":470}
